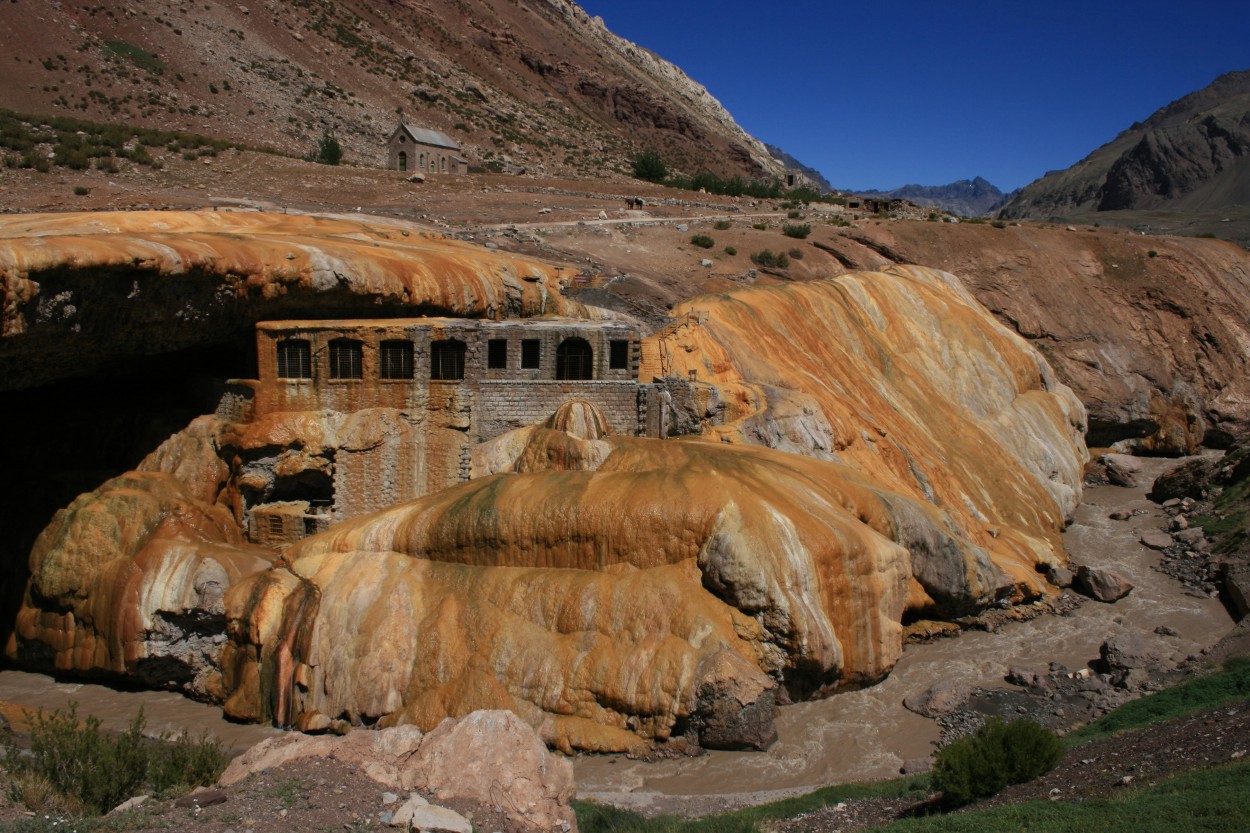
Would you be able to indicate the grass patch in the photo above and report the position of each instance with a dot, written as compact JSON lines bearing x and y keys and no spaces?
{"x":1193,"y":695}
{"x":141,"y":58}
{"x":1212,"y":800}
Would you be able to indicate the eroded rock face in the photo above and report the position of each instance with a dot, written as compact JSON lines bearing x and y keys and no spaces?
{"x":131,"y":579}
{"x":80,"y":289}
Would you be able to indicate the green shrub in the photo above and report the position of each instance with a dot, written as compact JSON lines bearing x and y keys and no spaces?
{"x":794,"y":215}
{"x":649,"y":166}
{"x":731,"y":251}
{"x":759,"y":226}
{"x":81,"y":190}
{"x":767,"y":258}
{"x":1152,"y":253}
{"x":998,"y":224}
{"x":799,"y":232}
{"x":329,"y":151}
{"x":796,"y":254}
{"x":998,"y":755}
{"x":722,"y":225}
{"x":703,"y":241}
{"x":99,"y":770}
{"x":1206,"y":235}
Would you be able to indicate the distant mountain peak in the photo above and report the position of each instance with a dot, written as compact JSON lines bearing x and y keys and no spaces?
{"x":969,"y":197}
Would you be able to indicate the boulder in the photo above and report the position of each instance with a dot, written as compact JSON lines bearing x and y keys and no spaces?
{"x":1122,"y":470}
{"x":1101,"y":585}
{"x":1188,"y":479}
{"x":1126,"y":651}
{"x":939,"y":699}
{"x":1193,"y":537}
{"x":1156,"y":540}
{"x":495,"y":758}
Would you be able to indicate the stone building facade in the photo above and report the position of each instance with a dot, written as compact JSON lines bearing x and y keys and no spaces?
{"x":425,"y":151}
{"x":400,"y":403}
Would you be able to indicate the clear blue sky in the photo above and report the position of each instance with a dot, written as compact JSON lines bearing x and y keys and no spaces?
{"x":883,"y":93}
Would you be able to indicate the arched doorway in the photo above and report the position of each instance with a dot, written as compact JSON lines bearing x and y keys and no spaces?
{"x":403,"y":161}
{"x":575,"y":359}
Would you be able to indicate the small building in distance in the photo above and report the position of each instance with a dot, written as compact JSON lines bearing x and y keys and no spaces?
{"x":424,"y":151}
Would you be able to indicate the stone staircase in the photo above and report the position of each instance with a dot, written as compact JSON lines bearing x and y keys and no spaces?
{"x":657,"y":359}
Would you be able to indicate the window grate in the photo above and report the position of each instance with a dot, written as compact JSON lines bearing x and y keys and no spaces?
{"x":395,"y":360}
{"x":294,"y":359}
{"x":346,"y":359}
{"x":447,"y":359}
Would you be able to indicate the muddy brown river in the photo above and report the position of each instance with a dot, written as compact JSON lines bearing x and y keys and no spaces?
{"x":856,"y":736}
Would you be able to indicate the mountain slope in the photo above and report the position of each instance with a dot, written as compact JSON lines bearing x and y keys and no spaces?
{"x":533,"y":84}
{"x":1191,"y":156}
{"x":969,"y":197}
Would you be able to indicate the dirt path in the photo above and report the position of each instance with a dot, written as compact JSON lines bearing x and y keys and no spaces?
{"x":867,"y":735}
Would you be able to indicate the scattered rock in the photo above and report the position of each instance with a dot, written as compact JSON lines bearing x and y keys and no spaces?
{"x":1058,"y":576}
{"x":1164,"y":630}
{"x":1101,"y":585}
{"x":203,"y":797}
{"x":1120,"y":515}
{"x":433,"y":819}
{"x":132,"y":803}
{"x":705,"y":262}
{"x":1156,"y":540}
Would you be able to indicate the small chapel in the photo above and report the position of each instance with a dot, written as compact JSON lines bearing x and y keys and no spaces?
{"x":424,"y":151}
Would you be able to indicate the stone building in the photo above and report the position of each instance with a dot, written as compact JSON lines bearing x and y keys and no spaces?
{"x":424,"y":151}
{"x":399,"y":404}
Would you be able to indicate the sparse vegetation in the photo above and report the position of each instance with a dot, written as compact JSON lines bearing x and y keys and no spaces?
{"x":797,"y":231}
{"x":702,"y":241}
{"x":81,"y":190}
{"x":759,"y":226}
{"x":999,"y":754}
{"x":796,"y":254}
{"x":794,"y":214}
{"x":731,"y":251}
{"x":72,"y":763}
{"x":141,"y":58}
{"x":76,"y":142}
{"x":767,"y":257}
{"x":722,"y":225}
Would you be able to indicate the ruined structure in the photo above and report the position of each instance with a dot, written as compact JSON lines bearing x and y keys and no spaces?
{"x":440,"y":385}
{"x":424,"y":151}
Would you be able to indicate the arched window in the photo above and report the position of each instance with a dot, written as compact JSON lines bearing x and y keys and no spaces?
{"x":442,"y":161}
{"x":421,"y":164}
{"x":403,"y":161}
{"x":447,"y":359}
{"x":575,"y":359}
{"x":294,"y":359}
{"x":346,"y":359}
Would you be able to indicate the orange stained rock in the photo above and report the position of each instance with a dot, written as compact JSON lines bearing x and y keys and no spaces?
{"x":259,"y":255}
{"x":903,"y":376}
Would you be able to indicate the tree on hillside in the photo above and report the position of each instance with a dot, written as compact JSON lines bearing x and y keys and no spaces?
{"x":329,"y":151}
{"x":649,"y":165}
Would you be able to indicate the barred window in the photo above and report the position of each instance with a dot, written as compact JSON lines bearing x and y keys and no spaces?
{"x":294,"y":359}
{"x":497,"y":354}
{"x":395,"y":360}
{"x":346,"y":359}
{"x":531,"y":349}
{"x":447,"y":359}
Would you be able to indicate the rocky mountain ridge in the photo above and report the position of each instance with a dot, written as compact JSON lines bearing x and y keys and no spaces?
{"x":535,"y":85}
{"x":1191,"y":157}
